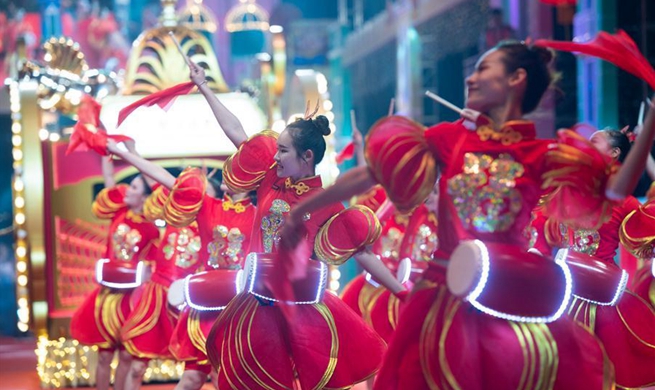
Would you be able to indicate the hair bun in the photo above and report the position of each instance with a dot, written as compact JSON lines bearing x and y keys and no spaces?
{"x":322,"y":124}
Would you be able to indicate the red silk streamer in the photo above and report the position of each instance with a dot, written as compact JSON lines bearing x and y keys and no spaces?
{"x":88,"y":132}
{"x":618,"y":49}
{"x":346,"y":153}
{"x":163,"y":99}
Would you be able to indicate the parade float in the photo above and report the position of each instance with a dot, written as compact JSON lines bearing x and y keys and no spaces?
{"x":57,"y":238}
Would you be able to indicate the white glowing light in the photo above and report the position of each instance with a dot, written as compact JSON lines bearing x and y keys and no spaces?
{"x":620,"y":288}
{"x":20,"y":218}
{"x":43,"y":134}
{"x":252,"y":278}
{"x":138,"y":279}
{"x":21,"y":251}
{"x":275,"y":29}
{"x":476,"y":293}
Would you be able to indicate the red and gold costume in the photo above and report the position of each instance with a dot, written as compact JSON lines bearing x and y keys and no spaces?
{"x":225,"y":227}
{"x":490,"y":182}
{"x":98,"y":321}
{"x":419,"y":243}
{"x":626,"y":328}
{"x":327,"y":346}
{"x":360,"y":294}
{"x":638,"y":236}
{"x":149,"y":327}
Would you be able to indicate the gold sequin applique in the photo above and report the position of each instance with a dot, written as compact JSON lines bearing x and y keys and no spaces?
{"x":484,"y":193}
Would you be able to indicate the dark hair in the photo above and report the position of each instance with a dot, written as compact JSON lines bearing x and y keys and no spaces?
{"x":496,"y":12}
{"x":307,"y":134}
{"x":147,"y":190}
{"x":618,"y":139}
{"x":215,"y":183}
{"x":534,"y":60}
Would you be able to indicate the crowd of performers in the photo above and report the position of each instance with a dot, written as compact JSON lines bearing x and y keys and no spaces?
{"x":488,"y":254}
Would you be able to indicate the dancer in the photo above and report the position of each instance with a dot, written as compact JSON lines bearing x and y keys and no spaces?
{"x":492,"y":168}
{"x":149,"y":326}
{"x":624,"y":323}
{"x":251,"y":344}
{"x":224,"y":232}
{"x":420,"y":243}
{"x":99,"y":319}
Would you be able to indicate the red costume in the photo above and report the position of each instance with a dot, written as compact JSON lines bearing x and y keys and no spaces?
{"x":327,"y":345}
{"x":418,"y":245}
{"x":149,"y":326}
{"x":100,"y":318}
{"x":490,"y":182}
{"x":626,"y":327}
{"x":225,"y":227}
{"x":638,"y":236}
{"x":361,"y":293}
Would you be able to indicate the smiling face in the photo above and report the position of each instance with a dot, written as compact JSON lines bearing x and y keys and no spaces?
{"x":489,"y":84}
{"x":136,"y":193}
{"x":289,"y":163}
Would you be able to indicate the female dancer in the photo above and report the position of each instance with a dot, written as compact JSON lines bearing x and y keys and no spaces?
{"x":419,"y":245}
{"x":626,"y":325}
{"x":149,"y":326}
{"x":223,"y":228}
{"x":491,"y":178}
{"x":327,"y":345}
{"x":131,"y":237}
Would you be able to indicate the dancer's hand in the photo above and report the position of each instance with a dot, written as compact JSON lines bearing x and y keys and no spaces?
{"x":197,"y":74}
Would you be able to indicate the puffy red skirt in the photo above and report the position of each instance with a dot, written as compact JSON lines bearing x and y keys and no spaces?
{"x":443,"y":342}
{"x":326,"y":346}
{"x":644,"y":285}
{"x":98,"y":321}
{"x":149,"y":326}
{"x":627,"y":331}
{"x":360,"y":295}
{"x":384,"y":314}
{"x":190,"y":335}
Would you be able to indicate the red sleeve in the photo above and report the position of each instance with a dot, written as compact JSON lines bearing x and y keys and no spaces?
{"x":399,"y":158}
{"x":186,"y":198}
{"x":153,"y":207}
{"x":576,"y":176}
{"x":245,"y":169}
{"x":345,"y":234}
{"x":109,"y":201}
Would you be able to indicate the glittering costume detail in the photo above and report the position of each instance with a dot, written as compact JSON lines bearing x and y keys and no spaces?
{"x":124,"y":242}
{"x":484,"y":193}
{"x":425,"y":243}
{"x":505,"y":136}
{"x":226,"y":249}
{"x":586,"y":241}
{"x":184,"y":247}
{"x":272,"y":222}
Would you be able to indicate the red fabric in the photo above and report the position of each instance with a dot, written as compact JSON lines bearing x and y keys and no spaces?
{"x":164,"y":99}
{"x":189,"y":337}
{"x":391,"y":140}
{"x":644,"y":284}
{"x":619,"y":49}
{"x":305,"y":346}
{"x":627,"y":332}
{"x":102,"y":330}
{"x":149,"y":326}
{"x":88,"y":132}
{"x":577,"y":176}
{"x":346,"y":153}
{"x":443,"y":340}
{"x":373,"y":199}
{"x":560,"y":2}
